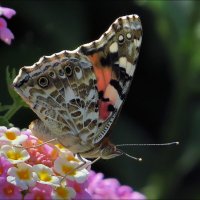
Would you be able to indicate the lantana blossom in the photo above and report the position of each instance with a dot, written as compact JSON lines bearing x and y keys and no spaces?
{"x":81,"y":189}
{"x":34,"y":170}
{"x":12,"y":136}
{"x":7,"y":12}
{"x":39,"y":191}
{"x":5,"y":33}
{"x":46,"y":175}
{"x":14,"y":154}
{"x":44,"y":154}
{"x":63,"y":192}
{"x":9,"y":191}
{"x":70,"y":170}
{"x":4,"y":166}
{"x":110,"y":188}
{"x":22,"y":176}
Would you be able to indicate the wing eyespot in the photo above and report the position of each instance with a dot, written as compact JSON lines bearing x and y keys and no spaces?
{"x":121,"y":39}
{"x":61,"y":72}
{"x":43,"y":81}
{"x":52,"y":74}
{"x":77,"y":69}
{"x":68,"y":70}
{"x":128,"y":36}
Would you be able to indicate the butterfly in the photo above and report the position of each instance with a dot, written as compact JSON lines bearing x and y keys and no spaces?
{"x":78,"y":94}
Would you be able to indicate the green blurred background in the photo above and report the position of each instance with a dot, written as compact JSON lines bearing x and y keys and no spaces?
{"x":163,"y":103}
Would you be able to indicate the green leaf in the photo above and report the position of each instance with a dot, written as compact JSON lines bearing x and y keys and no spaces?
{"x":9,"y":79}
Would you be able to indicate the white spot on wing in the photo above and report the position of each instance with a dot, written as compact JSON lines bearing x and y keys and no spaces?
{"x":113,"y":47}
{"x":122,"y":62}
{"x":79,"y":74}
{"x":120,"y":38}
{"x":129,"y":68}
{"x":128,"y":35}
{"x":126,"y":65}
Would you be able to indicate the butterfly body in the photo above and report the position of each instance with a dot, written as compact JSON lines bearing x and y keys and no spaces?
{"x":78,"y":94}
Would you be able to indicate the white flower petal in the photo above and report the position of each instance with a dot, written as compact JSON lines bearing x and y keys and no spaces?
{"x":79,"y":176}
{"x":13,"y":136}
{"x":45,"y":175}
{"x":22,"y":176}
{"x":40,"y":167}
{"x":3,"y":129}
{"x":20,"y":139}
{"x":14,"y":154}
{"x":69,"y":170}
{"x":67,"y":193}
{"x":55,"y":181}
{"x":15,"y":130}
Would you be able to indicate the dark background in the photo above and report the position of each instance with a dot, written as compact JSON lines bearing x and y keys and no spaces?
{"x":163,"y":103}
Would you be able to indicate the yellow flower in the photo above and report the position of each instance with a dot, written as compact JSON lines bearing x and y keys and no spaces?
{"x":46,"y":175}
{"x":13,"y":136}
{"x":14,"y":154}
{"x":22,"y":176}
{"x":63,"y":192}
{"x":71,"y":170}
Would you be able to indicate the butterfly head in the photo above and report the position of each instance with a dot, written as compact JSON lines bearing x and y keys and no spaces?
{"x":109,"y":150}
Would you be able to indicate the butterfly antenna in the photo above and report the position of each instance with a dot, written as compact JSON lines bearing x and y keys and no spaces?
{"x":128,"y":155}
{"x":161,"y":144}
{"x":36,"y":146}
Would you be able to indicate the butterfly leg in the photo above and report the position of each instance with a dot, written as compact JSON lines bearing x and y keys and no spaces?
{"x":87,"y":164}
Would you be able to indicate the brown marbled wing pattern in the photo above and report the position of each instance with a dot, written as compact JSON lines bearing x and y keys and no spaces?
{"x":67,"y":102}
{"x":114,"y":56}
{"x":78,"y":94}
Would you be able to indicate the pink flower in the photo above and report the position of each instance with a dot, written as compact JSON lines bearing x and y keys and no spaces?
{"x":110,"y":188}
{"x":7,"y":12}
{"x":9,"y":191}
{"x":40,"y":191}
{"x":81,"y":189}
{"x":4,"y":166}
{"x":44,"y":154}
{"x":38,"y":177}
{"x":5,"y":34}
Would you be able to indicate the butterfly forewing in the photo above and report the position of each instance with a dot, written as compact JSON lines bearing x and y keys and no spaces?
{"x":113,"y":57}
{"x":78,"y":94}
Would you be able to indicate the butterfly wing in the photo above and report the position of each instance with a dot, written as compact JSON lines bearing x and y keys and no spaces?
{"x":78,"y":94}
{"x":61,"y":90}
{"x":113,"y":57}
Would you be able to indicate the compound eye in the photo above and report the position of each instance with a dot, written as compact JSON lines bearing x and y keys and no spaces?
{"x":43,"y":81}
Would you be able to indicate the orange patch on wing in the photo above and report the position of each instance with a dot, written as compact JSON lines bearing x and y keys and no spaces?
{"x":103,"y":110}
{"x":102,"y":73}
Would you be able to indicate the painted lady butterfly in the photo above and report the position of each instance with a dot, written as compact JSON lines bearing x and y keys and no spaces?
{"x":78,"y":94}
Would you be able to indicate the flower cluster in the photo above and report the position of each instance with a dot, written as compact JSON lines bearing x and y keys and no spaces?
{"x":5,"y":34}
{"x":50,"y":172}
{"x":110,"y":188}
